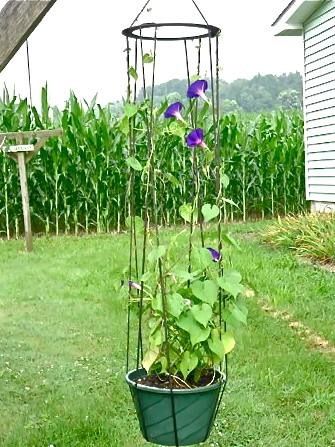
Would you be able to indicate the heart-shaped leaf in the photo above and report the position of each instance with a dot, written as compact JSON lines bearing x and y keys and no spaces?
{"x":133,"y":73}
{"x":189,"y":362}
{"x":197,"y":332}
{"x":156,"y":253}
{"x":210,"y":212}
{"x":177,"y":128}
{"x":201,"y":258}
{"x":175,"y":304}
{"x":228,"y":342}
{"x":221,"y":346}
{"x":202,"y":313}
{"x":150,"y":357}
{"x":206,"y":291}
{"x":147,"y":58}
{"x":239,"y":313}
{"x":224,"y":180}
{"x":130,"y":110}
{"x":186,"y":212}
{"x":230,"y":282}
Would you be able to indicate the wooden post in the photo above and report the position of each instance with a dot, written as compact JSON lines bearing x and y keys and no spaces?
{"x":22,"y":154}
{"x":21,"y":158}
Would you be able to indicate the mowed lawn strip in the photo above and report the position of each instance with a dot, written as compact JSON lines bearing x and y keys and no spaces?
{"x":307,"y":292}
{"x":62,"y":357}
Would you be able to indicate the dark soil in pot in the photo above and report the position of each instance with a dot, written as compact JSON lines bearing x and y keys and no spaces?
{"x":164,"y":381}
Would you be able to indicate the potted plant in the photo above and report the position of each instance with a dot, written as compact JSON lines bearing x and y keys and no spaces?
{"x":189,"y":303}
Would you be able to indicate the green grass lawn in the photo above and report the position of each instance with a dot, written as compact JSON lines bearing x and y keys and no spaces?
{"x":62,"y":350}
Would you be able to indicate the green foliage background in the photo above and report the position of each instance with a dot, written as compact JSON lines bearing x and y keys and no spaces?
{"x":79,"y":183}
{"x":262,"y":93}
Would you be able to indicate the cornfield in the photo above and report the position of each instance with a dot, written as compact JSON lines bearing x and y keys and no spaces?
{"x":78,"y":183}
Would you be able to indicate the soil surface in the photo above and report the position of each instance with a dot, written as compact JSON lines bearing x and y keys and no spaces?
{"x":165,"y":381}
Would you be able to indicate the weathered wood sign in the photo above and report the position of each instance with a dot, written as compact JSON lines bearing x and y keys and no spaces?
{"x":22,"y":153}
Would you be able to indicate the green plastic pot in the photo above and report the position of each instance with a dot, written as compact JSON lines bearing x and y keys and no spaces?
{"x":192,"y":409}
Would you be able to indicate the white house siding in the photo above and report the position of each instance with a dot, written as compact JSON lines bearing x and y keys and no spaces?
{"x":319,"y":38}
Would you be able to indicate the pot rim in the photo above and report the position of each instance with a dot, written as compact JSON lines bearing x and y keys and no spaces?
{"x":152,"y":389}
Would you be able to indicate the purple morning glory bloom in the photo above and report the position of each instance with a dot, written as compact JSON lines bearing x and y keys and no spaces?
{"x":197,"y":89}
{"x":196,"y":138}
{"x":134,"y":285}
{"x":173,"y":111}
{"x":216,"y":256}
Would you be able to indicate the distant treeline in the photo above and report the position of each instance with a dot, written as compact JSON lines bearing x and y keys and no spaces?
{"x":262,"y":93}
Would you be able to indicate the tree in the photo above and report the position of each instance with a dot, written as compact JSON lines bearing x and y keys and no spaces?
{"x":289,"y":99}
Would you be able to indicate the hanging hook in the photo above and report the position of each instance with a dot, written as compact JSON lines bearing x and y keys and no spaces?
{"x":139,"y":14}
{"x":29,"y":73}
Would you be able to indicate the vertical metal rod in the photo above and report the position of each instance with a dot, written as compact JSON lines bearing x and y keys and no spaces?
{"x":131,"y":228}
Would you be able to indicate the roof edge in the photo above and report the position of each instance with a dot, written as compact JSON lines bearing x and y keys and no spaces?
{"x":291,"y":20}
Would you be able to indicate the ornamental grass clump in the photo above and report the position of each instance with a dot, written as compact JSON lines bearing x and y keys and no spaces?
{"x":189,"y":301}
{"x":309,"y":235}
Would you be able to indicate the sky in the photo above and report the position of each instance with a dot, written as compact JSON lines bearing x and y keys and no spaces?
{"x":79,"y":45}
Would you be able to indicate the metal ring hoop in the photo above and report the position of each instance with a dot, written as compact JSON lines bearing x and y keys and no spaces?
{"x":212,"y":31}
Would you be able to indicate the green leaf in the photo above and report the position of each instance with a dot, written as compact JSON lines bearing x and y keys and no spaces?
{"x":147,"y":58}
{"x":189,"y":362}
{"x":210,"y":212}
{"x":177,"y":128}
{"x":150,"y":357}
{"x":156,"y":253}
{"x":228,"y":341}
{"x":184,"y":275}
{"x":157,"y":303}
{"x":190,"y":325}
{"x":124,"y":125}
{"x":175,"y":304}
{"x":186,"y":212}
{"x":133,"y":163}
{"x":156,"y":338}
{"x":239,"y":313}
{"x":230,"y":282}
{"x":164,"y":364}
{"x":172,"y":179}
{"x":201,"y":258}
{"x":226,"y":237}
{"x":206,"y":291}
{"x":221,"y":346}
{"x":202,"y":313}
{"x":215,"y":344}
{"x":231,"y":202}
{"x":224,"y":180}
{"x":133,"y":73}
{"x":130,"y":110}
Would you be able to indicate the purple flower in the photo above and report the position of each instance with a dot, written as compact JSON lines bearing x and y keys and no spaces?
{"x":173,"y":111}
{"x":197,"y":89}
{"x":134,"y":285}
{"x":196,"y":138}
{"x":216,"y":255}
